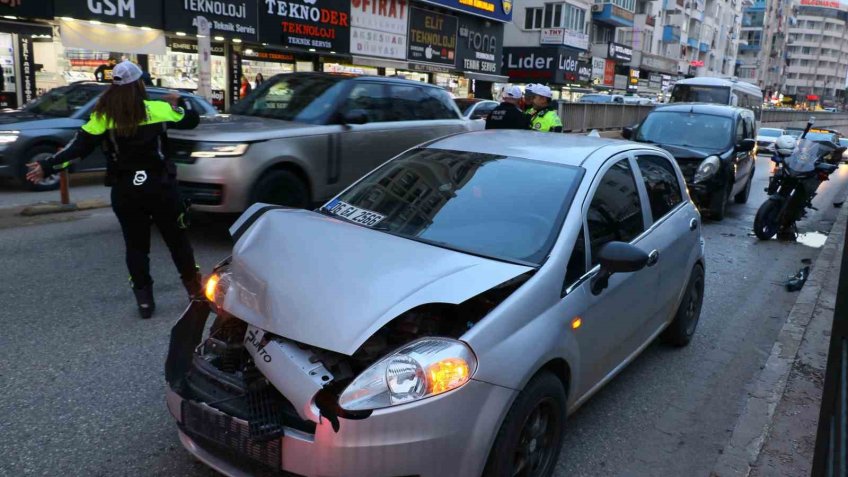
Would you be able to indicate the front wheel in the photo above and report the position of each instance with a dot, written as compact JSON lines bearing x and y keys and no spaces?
{"x":530,"y":438}
{"x":718,"y":203}
{"x":767,"y":220}
{"x":282,"y":188}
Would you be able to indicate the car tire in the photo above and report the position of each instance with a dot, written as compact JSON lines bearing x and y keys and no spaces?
{"x":767,"y":220}
{"x":742,"y":197}
{"x":532,"y":431}
{"x":679,"y":333}
{"x":282,"y":188}
{"x":39,"y":153}
{"x":718,"y":203}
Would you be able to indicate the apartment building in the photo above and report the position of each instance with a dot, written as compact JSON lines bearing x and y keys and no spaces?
{"x":762,"y":46}
{"x":817,"y":52}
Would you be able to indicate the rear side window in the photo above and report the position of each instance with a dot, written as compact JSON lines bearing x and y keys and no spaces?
{"x":740,"y":129}
{"x":615,"y":213}
{"x":371,"y":99}
{"x":405,"y":101}
{"x":661,"y":183}
{"x":437,"y":104}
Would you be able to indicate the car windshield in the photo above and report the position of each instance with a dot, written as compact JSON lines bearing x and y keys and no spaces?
{"x":843,"y":141}
{"x":816,"y":136}
{"x":689,"y":93}
{"x":63,"y":102}
{"x":301,"y":98}
{"x":704,"y":131}
{"x":494,"y":206}
{"x":768,"y":132}
{"x":465,"y":105}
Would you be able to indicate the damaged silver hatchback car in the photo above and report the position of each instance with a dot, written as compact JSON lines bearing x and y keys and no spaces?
{"x":441,"y":316}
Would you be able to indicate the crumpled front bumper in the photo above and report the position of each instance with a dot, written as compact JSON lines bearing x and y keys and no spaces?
{"x":447,"y":435}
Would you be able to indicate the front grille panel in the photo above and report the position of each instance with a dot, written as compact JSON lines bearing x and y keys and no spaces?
{"x":202,"y":194}
{"x":231,"y":433}
{"x":688,"y":168}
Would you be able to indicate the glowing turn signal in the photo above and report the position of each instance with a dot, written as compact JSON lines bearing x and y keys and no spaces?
{"x":447,"y":374}
{"x":577,"y":322}
{"x":211,"y":287}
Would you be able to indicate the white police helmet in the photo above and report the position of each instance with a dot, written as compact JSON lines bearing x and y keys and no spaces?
{"x":785,"y":145}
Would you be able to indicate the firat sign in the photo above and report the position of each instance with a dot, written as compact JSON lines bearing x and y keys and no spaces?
{"x":822,"y":3}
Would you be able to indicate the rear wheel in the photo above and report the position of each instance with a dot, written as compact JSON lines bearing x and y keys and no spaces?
{"x":681,"y":330}
{"x":767,"y":220}
{"x":282,"y":188}
{"x":530,"y":438}
{"x":39,"y":153}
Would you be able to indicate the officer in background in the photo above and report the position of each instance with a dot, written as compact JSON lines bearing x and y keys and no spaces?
{"x":527,"y":104}
{"x":508,"y":115}
{"x":545,"y":117}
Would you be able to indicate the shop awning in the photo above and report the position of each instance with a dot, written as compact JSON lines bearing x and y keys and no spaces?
{"x":105,"y":37}
{"x":485,"y":77}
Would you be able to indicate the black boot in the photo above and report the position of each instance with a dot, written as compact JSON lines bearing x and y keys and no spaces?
{"x":194,"y":286}
{"x":144,"y":299}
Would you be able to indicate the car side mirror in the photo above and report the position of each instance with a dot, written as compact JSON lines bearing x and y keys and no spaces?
{"x":627,"y":133}
{"x":355,"y":116}
{"x":617,"y":257}
{"x":746,"y":145}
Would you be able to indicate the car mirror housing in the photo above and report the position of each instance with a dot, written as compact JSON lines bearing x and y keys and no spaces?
{"x":355,"y":116}
{"x":627,"y":133}
{"x":746,"y":145}
{"x":617,"y":257}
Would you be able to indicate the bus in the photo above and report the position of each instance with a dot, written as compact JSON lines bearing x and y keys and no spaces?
{"x":720,"y":91}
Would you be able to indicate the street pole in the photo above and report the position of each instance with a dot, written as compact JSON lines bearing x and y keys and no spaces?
{"x":63,"y":187}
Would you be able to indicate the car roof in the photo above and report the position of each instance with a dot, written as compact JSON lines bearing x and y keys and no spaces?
{"x":702,"y":108}
{"x":566,"y":149}
{"x":157,"y":89}
{"x":358,"y":77}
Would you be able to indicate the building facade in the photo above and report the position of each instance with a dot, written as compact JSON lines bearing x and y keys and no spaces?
{"x":817,"y":52}
{"x":762,"y":47}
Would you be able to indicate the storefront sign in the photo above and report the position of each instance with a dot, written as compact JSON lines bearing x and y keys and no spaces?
{"x":498,"y":10}
{"x":129,"y":12}
{"x":622,"y":13}
{"x":183,"y":45}
{"x":562,"y":36}
{"x":654,"y":81}
{"x":541,"y":64}
{"x":822,"y":3}
{"x":218,"y":99}
{"x":204,"y":58}
{"x":696,"y":63}
{"x":658,"y":63}
{"x":235,"y":77}
{"x":27,"y":57}
{"x":609,"y":73}
{"x":378,"y":28}
{"x":28,"y":9}
{"x":584,"y":71}
{"x":619,"y":52}
{"x":598,"y":65}
{"x":633,"y":83}
{"x":480,"y":47}
{"x":621,"y":82}
{"x":306,"y":24}
{"x":432,"y":37}
{"x":261,"y":54}
{"x":232,"y":18}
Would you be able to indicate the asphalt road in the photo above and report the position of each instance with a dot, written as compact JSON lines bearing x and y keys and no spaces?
{"x":82,"y":382}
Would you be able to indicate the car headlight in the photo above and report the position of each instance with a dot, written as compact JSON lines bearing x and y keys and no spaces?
{"x":708,"y":168}
{"x":218,"y":149}
{"x":424,"y":368}
{"x":218,"y":283}
{"x":8,"y":137}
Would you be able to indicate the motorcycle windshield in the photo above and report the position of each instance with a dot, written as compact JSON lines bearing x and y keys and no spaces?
{"x":805,"y":156}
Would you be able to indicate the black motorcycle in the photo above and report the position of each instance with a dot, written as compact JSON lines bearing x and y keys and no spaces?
{"x":793,"y":186}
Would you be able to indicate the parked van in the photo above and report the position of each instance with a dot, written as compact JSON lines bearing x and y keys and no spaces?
{"x":720,"y":91}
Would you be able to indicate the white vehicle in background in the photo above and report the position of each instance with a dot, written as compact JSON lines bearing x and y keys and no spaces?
{"x":766,"y":138}
{"x":720,"y":91}
{"x":601,"y":98}
{"x":639,"y":100}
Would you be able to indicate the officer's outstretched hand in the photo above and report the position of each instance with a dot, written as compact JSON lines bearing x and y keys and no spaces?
{"x":35,"y":173}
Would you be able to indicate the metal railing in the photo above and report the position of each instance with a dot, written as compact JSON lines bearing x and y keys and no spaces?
{"x":581,"y":117}
{"x":830,"y":458}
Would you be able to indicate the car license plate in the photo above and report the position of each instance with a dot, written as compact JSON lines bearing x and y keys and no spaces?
{"x":355,"y":214}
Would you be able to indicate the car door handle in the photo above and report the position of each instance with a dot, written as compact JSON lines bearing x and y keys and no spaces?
{"x":693,"y":224}
{"x":653,"y":258}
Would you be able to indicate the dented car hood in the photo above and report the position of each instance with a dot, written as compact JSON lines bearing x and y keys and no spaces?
{"x":332,"y":284}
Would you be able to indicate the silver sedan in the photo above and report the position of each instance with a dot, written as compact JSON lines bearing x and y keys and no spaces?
{"x":443,"y":315}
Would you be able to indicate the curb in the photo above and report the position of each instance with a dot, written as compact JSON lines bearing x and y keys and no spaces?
{"x":55,"y":207}
{"x":754,"y":424}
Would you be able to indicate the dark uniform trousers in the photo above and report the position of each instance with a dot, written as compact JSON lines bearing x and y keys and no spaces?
{"x":143,"y":197}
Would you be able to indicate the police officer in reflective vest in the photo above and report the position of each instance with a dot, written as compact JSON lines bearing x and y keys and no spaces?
{"x":545,"y":117}
{"x":528,"y":99}
{"x":132,"y":131}
{"x":508,"y":115}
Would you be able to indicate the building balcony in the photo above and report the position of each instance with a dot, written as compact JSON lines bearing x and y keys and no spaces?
{"x":704,"y":47}
{"x":692,"y":42}
{"x":671,"y":34}
{"x":750,"y":47}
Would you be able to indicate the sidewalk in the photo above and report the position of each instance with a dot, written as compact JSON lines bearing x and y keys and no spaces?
{"x":775,"y":435}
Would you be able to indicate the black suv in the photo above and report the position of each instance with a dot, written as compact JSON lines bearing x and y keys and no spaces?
{"x":714,"y":146}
